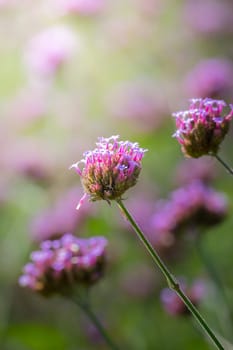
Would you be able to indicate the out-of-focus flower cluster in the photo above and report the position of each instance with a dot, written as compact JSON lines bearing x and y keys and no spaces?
{"x":202,"y":128}
{"x":110,"y":169}
{"x":174,"y":305}
{"x":138,"y":102}
{"x":61,"y":264}
{"x":49,"y":50}
{"x":192,"y":207}
{"x":189,"y":170}
{"x":80,"y":7}
{"x":61,"y":218}
{"x":210,"y":77}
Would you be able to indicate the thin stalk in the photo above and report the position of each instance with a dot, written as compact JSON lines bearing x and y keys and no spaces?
{"x":226,"y":166}
{"x":92,"y":317}
{"x":171,"y":280}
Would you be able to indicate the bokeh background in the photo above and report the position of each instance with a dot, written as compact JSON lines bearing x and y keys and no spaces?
{"x":72,"y":71}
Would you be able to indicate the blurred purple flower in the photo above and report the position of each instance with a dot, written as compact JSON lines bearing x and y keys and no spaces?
{"x":138,"y":102}
{"x":28,"y":160}
{"x":49,"y":50}
{"x":209,"y":16}
{"x":174,"y":305}
{"x":202,"y":128}
{"x":110,"y":169}
{"x":28,"y":106}
{"x":61,"y":264}
{"x":201,"y":169}
{"x":150,"y":8}
{"x":62,"y":218}
{"x":210,"y":77}
{"x":188,"y":208}
{"x":81,"y":7}
{"x":138,"y":282}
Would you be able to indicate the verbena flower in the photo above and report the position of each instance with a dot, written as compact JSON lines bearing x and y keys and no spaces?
{"x":189,"y":208}
{"x":110,"y":169}
{"x":81,"y":7}
{"x":174,"y":305}
{"x":202,"y":128}
{"x":210,"y":77}
{"x":60,"y":218}
{"x":61,"y":264}
{"x":49,"y":50}
{"x":202,"y":169}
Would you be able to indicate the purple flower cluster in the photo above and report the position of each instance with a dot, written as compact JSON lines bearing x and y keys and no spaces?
{"x":202,"y":169}
{"x":211,"y":77}
{"x":60,"y":264}
{"x":110,"y":169}
{"x":61,"y":218}
{"x":174,"y":305}
{"x":138,"y":102}
{"x":202,"y":128}
{"x":49,"y":50}
{"x":81,"y":7}
{"x":189,"y":207}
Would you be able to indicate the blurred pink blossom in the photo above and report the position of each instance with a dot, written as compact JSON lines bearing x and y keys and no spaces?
{"x":81,"y":7}
{"x":139,"y":282}
{"x":139,"y":102}
{"x":209,"y":16}
{"x":174,"y":305}
{"x":27,"y":106}
{"x":188,"y":209}
{"x":49,"y":50}
{"x":61,"y":218}
{"x":210,"y":78}
{"x":28,"y":160}
{"x":201,"y":169}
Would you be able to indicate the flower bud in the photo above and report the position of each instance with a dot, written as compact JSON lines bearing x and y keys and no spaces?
{"x":202,"y":128}
{"x":110,"y":169}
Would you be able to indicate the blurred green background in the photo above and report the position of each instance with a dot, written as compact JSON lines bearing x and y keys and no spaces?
{"x":128,"y":66}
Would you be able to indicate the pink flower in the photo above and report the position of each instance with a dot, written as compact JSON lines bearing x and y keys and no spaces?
{"x":174,"y":305}
{"x":210,"y":77}
{"x":209,"y":16}
{"x":49,"y":50}
{"x":110,"y":169}
{"x":61,"y":264}
{"x":61,"y":218}
{"x":188,"y":208}
{"x":203,"y":170}
{"x":81,"y":7}
{"x":138,"y":102}
{"x":202,"y":128}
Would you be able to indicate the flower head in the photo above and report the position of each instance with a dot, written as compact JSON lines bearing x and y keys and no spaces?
{"x":81,"y":7}
{"x":210,"y":77}
{"x":60,"y":218}
{"x":191,"y":207}
{"x":110,"y":169}
{"x":49,"y":50}
{"x":174,"y":305}
{"x":202,"y":128}
{"x":60,"y":264}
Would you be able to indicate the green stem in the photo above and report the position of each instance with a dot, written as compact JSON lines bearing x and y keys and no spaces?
{"x":172,"y":282}
{"x":226,"y":166}
{"x":92,"y":317}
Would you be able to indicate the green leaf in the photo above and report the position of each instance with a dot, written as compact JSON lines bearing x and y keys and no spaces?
{"x":37,"y":337}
